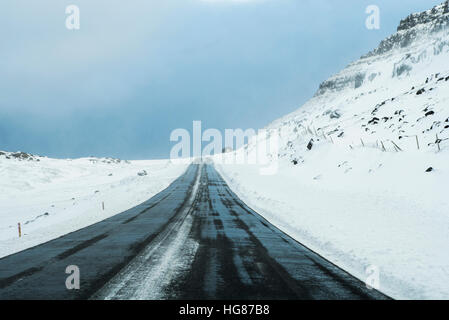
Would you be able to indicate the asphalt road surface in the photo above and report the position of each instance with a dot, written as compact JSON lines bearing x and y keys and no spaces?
{"x":194,"y":240}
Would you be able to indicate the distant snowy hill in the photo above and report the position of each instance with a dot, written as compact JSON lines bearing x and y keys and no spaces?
{"x":372,"y":189}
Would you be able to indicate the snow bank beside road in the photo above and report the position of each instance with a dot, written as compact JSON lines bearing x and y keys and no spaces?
{"x":51,"y":197}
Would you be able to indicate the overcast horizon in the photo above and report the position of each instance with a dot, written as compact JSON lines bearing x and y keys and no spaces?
{"x":136,"y":71}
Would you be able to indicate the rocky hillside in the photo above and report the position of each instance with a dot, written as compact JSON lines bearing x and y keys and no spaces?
{"x":394,"y":98}
{"x":19,"y":155}
{"x":419,"y":37}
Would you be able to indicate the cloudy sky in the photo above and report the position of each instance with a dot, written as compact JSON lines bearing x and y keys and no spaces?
{"x":136,"y":70}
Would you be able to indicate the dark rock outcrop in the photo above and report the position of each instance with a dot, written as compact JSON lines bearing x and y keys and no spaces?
{"x":431,"y":21}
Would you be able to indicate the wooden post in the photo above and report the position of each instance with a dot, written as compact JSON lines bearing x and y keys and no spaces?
{"x":417,"y":142}
{"x":102,"y":205}
{"x":310,"y":131}
{"x":438,"y":142}
{"x":396,"y":146}
{"x":20,"y":230}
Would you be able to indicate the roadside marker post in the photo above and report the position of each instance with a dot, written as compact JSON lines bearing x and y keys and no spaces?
{"x":20,"y":230}
{"x":396,"y":146}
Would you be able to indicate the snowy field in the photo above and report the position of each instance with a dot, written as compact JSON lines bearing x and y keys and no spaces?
{"x":373,"y":188}
{"x":50,"y":197}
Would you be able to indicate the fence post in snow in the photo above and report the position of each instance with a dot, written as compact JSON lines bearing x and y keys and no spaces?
{"x":417,"y":142}
{"x":396,"y":146}
{"x":438,"y":142}
{"x":383,"y":146}
{"x":102,"y":204}
{"x":363,"y":145}
{"x":20,"y":230}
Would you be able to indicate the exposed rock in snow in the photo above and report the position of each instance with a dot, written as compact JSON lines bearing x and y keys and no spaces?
{"x":420,"y":91}
{"x":19,"y":155}
{"x":310,"y":145}
{"x":142,"y":173}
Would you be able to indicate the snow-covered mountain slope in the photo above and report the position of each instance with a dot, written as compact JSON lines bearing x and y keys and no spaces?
{"x":400,"y":83}
{"x":373,"y":188}
{"x":51,"y":197}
